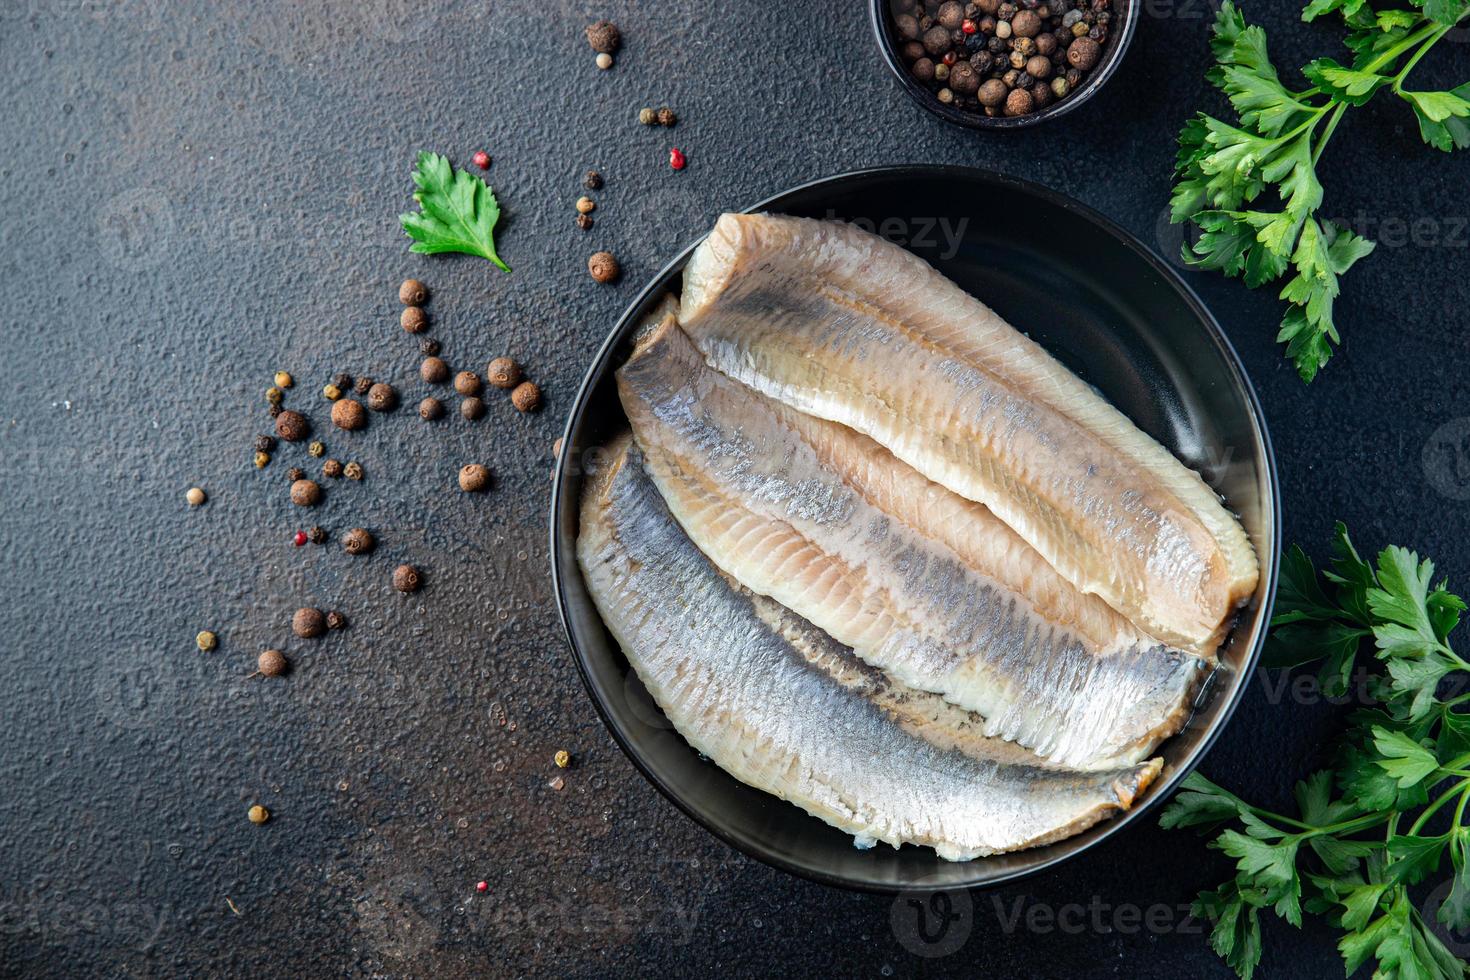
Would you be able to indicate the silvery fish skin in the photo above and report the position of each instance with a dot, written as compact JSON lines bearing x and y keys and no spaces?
{"x":780,"y":706}
{"x":842,"y":324}
{"x":935,"y":593}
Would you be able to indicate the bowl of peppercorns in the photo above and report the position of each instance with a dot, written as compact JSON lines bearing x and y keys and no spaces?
{"x":1002,"y":64}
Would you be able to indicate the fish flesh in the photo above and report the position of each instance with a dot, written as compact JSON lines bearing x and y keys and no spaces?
{"x":923,"y":584}
{"x":841,"y":324}
{"x":783,"y":708}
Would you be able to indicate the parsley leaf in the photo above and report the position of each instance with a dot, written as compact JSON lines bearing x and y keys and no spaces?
{"x":458,"y":211}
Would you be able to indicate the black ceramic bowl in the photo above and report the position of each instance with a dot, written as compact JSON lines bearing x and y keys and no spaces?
{"x":1124,"y":22}
{"x":1112,"y":312}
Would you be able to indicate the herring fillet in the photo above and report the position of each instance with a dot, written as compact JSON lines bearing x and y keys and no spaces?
{"x":918,"y":582}
{"x":783,"y":708}
{"x":842,"y":324}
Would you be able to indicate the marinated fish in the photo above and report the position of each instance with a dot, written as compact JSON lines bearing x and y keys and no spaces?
{"x":842,"y":324}
{"x":782,"y":707}
{"x":924,"y":585}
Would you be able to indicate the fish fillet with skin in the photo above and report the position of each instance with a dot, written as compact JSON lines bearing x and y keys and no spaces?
{"x":919,"y":582}
{"x":782,"y":707}
{"x":844,"y":325}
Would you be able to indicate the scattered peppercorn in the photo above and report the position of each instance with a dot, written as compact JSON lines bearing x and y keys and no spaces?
{"x":336,"y":621}
{"x":472,"y":408}
{"x":317,"y":534}
{"x":604,"y":61}
{"x":593,"y":181}
{"x":431,"y":409}
{"x":308,"y":623}
{"x":195,"y":497}
{"x":332,"y":469}
{"x":481,"y":159}
{"x":274,"y":395}
{"x":262,"y":459}
{"x":677,"y":160}
{"x":265,"y":444}
{"x":482,"y":886}
{"x":473,"y":478}
{"x":206,"y":641}
{"x":349,"y":414}
{"x":434,"y":370}
{"x":647,"y":117}
{"x":306,"y":493}
{"x":503,"y":372}
{"x":413,"y":293}
{"x":603,"y":266}
{"x":259,"y":814}
{"x":563,"y":758}
{"x":275,"y":410}
{"x":526,"y":396}
{"x":584,"y":221}
{"x":428,"y":346}
{"x":299,"y":539}
{"x":353,"y":471}
{"x":413,"y":319}
{"x":558,"y":784}
{"x":382,"y":397}
{"x":358,"y":541}
{"x":604,"y":37}
{"x":364,"y":385}
{"x":295,"y":473}
{"x":316,"y":448}
{"x":406,"y":578}
{"x":467,"y":383}
{"x":271,"y":663}
{"x":331,"y":392}
{"x":585,"y":205}
{"x":666,"y":117}
{"x":292,"y":426}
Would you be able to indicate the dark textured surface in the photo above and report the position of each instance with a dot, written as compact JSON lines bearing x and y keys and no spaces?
{"x":196,"y":195}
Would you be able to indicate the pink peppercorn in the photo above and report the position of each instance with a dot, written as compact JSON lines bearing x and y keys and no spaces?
{"x":482,"y":886}
{"x":676,"y":159}
{"x":482,"y":159}
{"x":299,"y":538}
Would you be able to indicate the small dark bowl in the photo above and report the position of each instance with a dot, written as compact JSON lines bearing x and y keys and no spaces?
{"x":1109,"y":309}
{"x":1124,"y":22}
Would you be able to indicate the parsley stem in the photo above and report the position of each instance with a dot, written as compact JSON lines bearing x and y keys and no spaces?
{"x":1462,"y":787}
{"x":1327,"y":133}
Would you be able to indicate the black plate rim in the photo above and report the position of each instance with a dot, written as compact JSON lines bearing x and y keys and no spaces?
{"x":1269,"y":565}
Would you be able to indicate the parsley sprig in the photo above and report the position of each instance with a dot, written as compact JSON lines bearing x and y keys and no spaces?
{"x":458,"y":211}
{"x":1223,"y":169}
{"x":1393,"y":807}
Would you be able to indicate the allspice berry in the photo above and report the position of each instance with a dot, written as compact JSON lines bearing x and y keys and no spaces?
{"x":336,"y":621}
{"x":434,"y":370}
{"x":413,"y":293}
{"x":1019,"y":102}
{"x":1038,"y":67}
{"x":964,"y":79}
{"x":604,"y":37}
{"x":936,"y":40}
{"x":306,"y":493}
{"x":467,"y":383}
{"x":292,"y":426}
{"x":259,"y":814}
{"x":271,"y":663}
{"x":526,"y":396}
{"x":603,"y":266}
{"x":195,"y":497}
{"x":472,"y":408}
{"x":406,"y":578}
{"x":951,"y":14}
{"x":358,"y":541}
{"x":414,"y":319}
{"x":1026,"y":23}
{"x":1084,"y":53}
{"x":992,"y":93}
{"x":382,"y":398}
{"x":309,"y":623}
{"x":503,"y":372}
{"x":430,"y":409}
{"x":348,"y":413}
{"x":473,"y":478}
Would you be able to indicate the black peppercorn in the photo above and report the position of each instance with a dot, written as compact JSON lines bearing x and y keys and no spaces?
{"x":343,"y":381}
{"x":336,"y":621}
{"x":332,"y":469}
{"x":265,"y":444}
{"x":593,"y":181}
{"x":584,"y":221}
{"x":295,"y":473}
{"x":363,"y":385}
{"x":428,"y":346}
{"x":666,"y":117}
{"x":318,"y":535}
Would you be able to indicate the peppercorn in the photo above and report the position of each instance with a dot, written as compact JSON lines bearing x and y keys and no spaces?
{"x":382,"y":397}
{"x":473,"y":478}
{"x":1059,"y":87}
{"x":406,"y":578}
{"x":603,"y":266}
{"x":1019,"y":102}
{"x":946,"y":96}
{"x":503,"y":372}
{"x":430,"y":409}
{"x":271,"y":663}
{"x":259,"y":814}
{"x":265,"y":444}
{"x":604,"y":37}
{"x":331,"y":392}
{"x":951,"y":14}
{"x":526,"y":396}
{"x":912,"y":51}
{"x":299,"y":539}
{"x":305,"y":493}
{"x":273,"y":395}
{"x":677,"y":160}
{"x":332,"y":469}
{"x":993,"y":92}
{"x":467,"y":383}
{"x":349,"y":414}
{"x":358,"y":541}
{"x":481,"y":159}
{"x":964,"y":79}
{"x":1026,"y":23}
{"x":292,"y":426}
{"x":1040,"y":93}
{"x":206,"y":641}
{"x":584,"y":221}
{"x":275,"y":410}
{"x":941,"y":71}
{"x":666,"y":116}
{"x":923,"y":70}
{"x":413,"y":293}
{"x":262,"y":459}
{"x":647,"y":116}
{"x":428,"y":346}
{"x":1046,"y":44}
{"x":604,"y":61}
{"x":949,"y":59}
{"x":353,"y":471}
{"x":295,"y":473}
{"x":1083,"y":53}
{"x":585,"y":205}
{"x":413,"y":319}
{"x":1017,"y":59}
{"x":1038,"y":66}
{"x":195,"y":496}
{"x":316,"y":449}
{"x":1080,"y":29}
{"x":336,"y":621}
{"x":563,"y":758}
{"x":364,"y":385}
{"x":317,"y":534}
{"x":593,"y":181}
{"x":936,"y":41}
{"x":434,"y":370}
{"x":908,"y":26}
{"x":472,"y":408}
{"x":308,"y":623}
{"x":1024,"y":46}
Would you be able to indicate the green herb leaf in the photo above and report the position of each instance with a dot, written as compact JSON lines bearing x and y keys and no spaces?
{"x":1350,"y":85}
{"x":458,"y":211}
{"x":1404,"y":759}
{"x":1447,"y":12}
{"x":1237,"y":933}
{"x":1442,"y":117}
